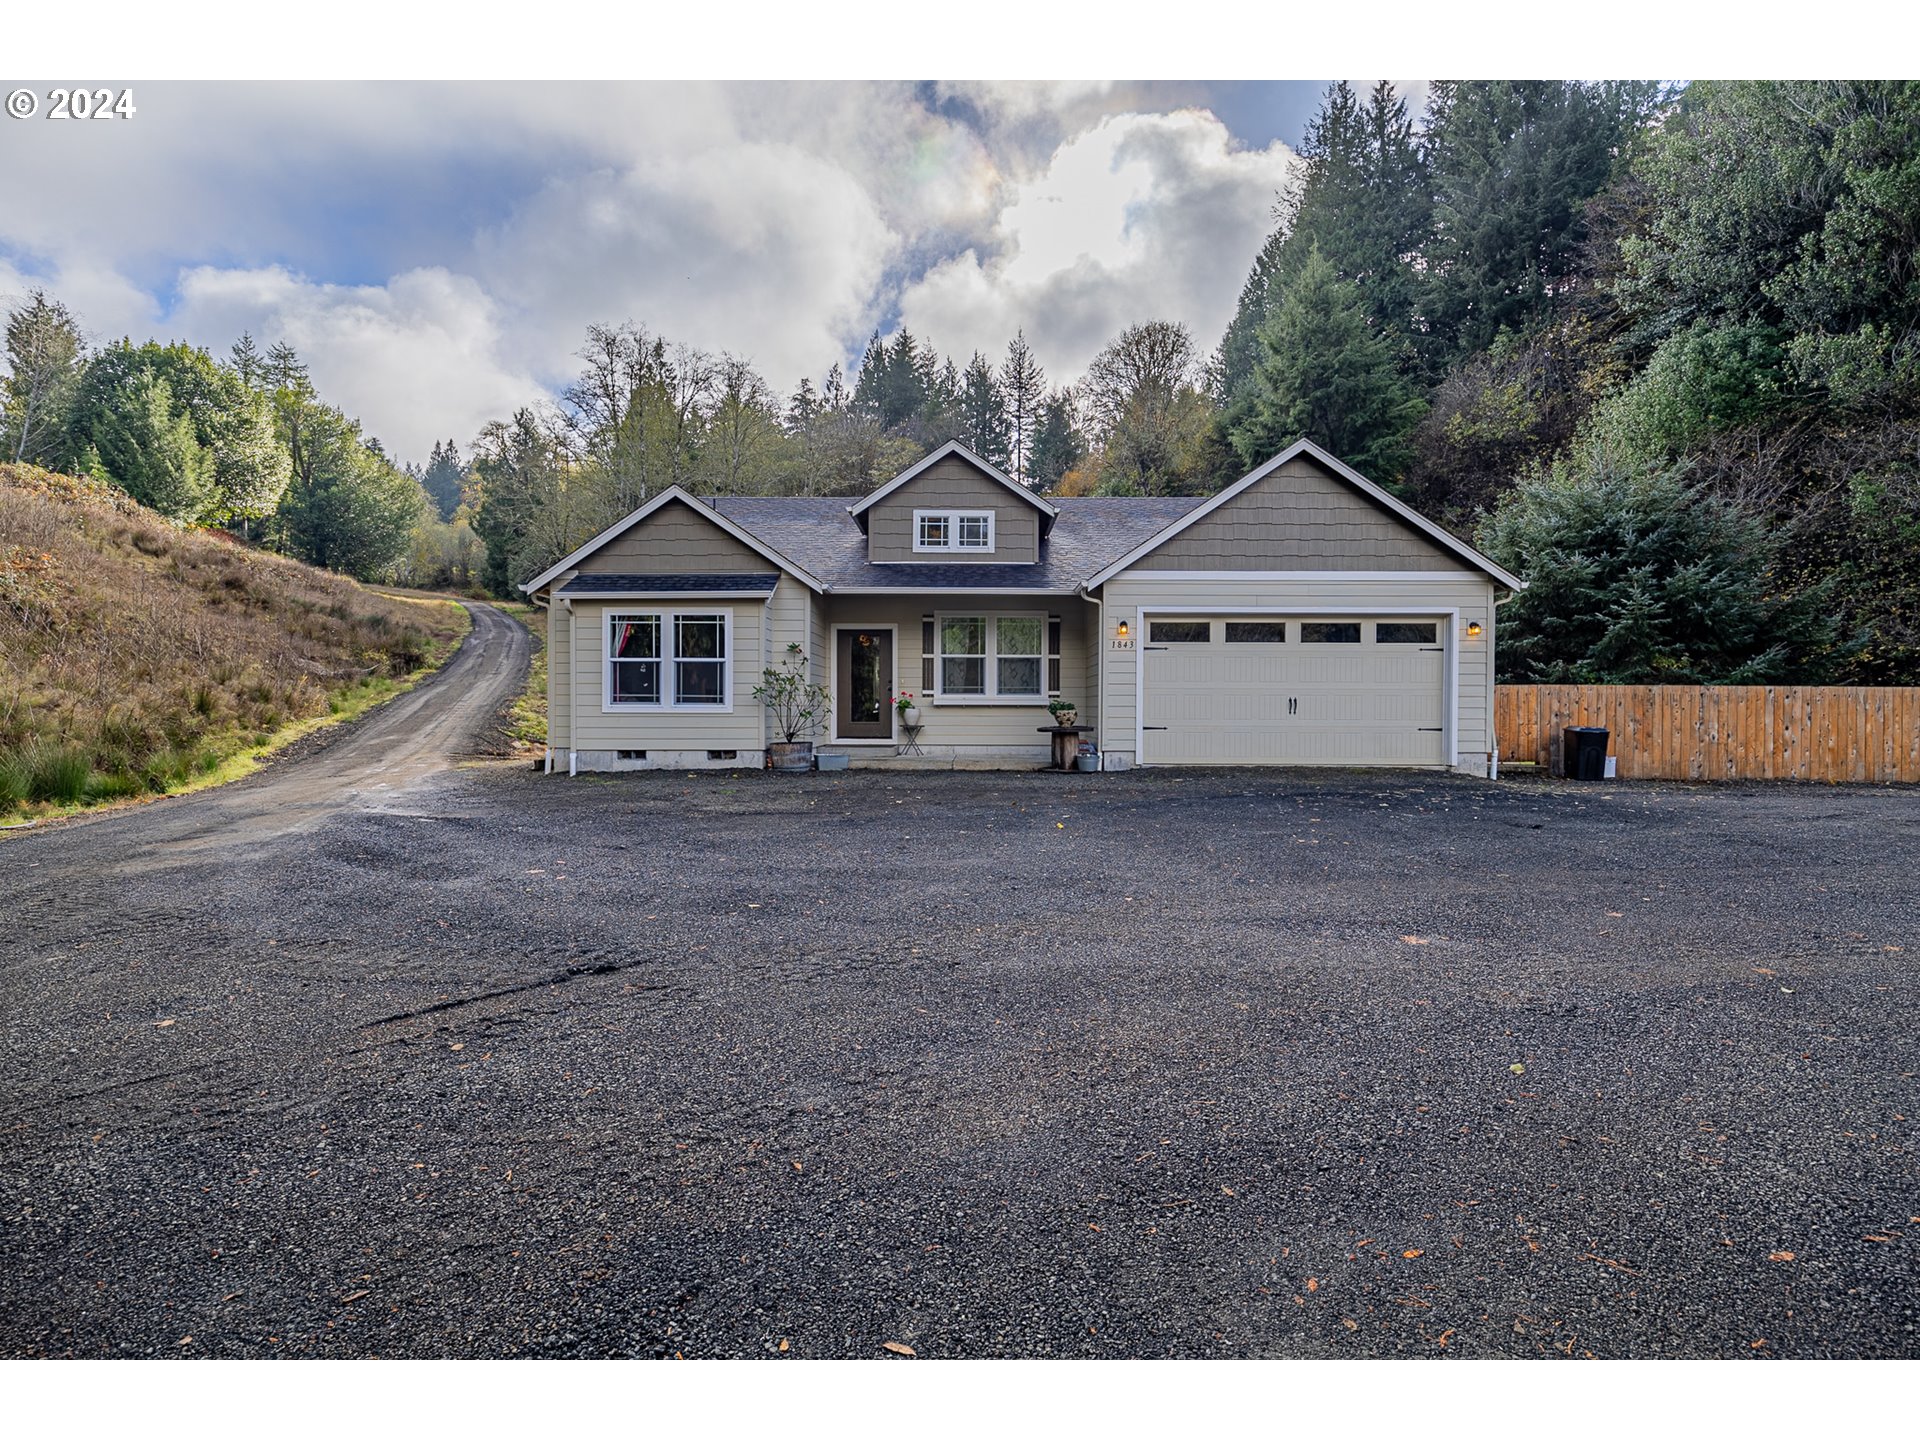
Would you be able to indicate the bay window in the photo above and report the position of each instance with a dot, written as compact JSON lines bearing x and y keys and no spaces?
{"x":668,"y":660}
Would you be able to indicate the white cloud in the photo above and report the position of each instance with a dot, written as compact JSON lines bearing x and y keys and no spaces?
{"x":438,"y":251}
{"x":763,"y":250}
{"x":418,"y":359}
{"x":1140,"y":217}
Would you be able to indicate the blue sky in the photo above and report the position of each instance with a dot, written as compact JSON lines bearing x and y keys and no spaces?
{"x":437,"y":250}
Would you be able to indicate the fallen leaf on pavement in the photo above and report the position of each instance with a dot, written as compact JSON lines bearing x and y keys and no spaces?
{"x":1411,"y":1254}
{"x":897,"y":1348}
{"x":352,"y":1296}
{"x":1312,"y":1284}
{"x":1350,"y":1324}
{"x":161,"y":1025}
{"x":1517,"y":1068}
{"x":1781,"y":1255}
{"x":783,"y":1347}
{"x":1415,"y":940}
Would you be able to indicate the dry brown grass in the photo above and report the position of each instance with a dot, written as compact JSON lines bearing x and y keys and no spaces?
{"x":142,"y":654}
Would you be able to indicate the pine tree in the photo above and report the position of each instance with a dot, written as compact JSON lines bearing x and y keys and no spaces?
{"x":1513,"y":163}
{"x":1328,"y":375}
{"x":443,"y":477}
{"x":1637,"y":578}
{"x":150,"y":450}
{"x":1024,"y":385}
{"x":286,"y":370}
{"x":1363,"y":201}
{"x":246,"y":361}
{"x":1058,"y":445}
{"x":983,"y":412}
{"x":44,"y":355}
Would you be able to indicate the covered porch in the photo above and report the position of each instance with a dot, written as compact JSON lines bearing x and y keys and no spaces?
{"x":979,"y":667}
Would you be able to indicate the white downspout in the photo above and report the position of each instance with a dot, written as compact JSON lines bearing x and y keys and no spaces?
{"x":573,"y":734}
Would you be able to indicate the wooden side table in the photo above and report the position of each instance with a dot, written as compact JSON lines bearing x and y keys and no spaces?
{"x":1066,"y":743}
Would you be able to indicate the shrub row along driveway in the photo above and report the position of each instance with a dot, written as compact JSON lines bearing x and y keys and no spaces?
{"x":1234,"y":1064}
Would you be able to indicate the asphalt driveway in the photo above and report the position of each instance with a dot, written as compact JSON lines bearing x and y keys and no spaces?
{"x":1239,"y":1064}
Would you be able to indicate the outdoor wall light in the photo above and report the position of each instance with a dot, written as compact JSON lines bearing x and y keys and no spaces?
{"x":1473,"y":629}
{"x":1122,"y":632}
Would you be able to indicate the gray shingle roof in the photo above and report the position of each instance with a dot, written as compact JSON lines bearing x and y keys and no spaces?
{"x":749,"y":584}
{"x":818,"y":535}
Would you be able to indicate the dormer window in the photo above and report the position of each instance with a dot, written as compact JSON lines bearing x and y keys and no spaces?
{"x":947,"y":531}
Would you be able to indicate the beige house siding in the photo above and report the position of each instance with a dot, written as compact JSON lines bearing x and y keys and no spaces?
{"x":1135,"y":591}
{"x":1301,"y":517}
{"x":598,"y":734}
{"x":675,"y":539}
{"x":955,"y":730}
{"x":559,"y":671}
{"x":953,"y":484}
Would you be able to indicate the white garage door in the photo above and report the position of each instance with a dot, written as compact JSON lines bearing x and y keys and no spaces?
{"x":1293,"y":690}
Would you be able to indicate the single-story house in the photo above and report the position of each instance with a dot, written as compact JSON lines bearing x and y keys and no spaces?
{"x":1302,"y":616}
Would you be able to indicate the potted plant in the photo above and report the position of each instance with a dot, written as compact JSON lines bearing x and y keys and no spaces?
{"x":797,"y":709}
{"x":1065,"y":712}
{"x":909,"y":712}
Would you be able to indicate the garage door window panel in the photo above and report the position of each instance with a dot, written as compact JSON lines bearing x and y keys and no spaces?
{"x":1330,"y":632}
{"x":1407,"y":632}
{"x":1180,"y":632}
{"x":1256,"y":632}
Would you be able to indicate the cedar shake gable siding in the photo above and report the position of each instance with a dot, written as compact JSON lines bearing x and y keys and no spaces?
{"x":953,"y":484}
{"x":1301,"y":517}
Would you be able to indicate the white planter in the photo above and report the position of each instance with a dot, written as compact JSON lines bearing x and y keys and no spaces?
{"x":910,"y":716}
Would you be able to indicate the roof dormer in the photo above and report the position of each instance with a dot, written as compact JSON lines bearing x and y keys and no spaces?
{"x":954,"y":507}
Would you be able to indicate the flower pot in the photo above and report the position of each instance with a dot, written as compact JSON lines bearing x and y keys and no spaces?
{"x":791,"y":757}
{"x":910,"y":716}
{"x":1064,"y":718}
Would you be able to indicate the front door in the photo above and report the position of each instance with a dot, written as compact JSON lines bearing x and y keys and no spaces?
{"x":863,"y":673}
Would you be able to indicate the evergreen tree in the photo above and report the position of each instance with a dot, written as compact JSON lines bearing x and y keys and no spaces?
{"x":1024,"y":386}
{"x":44,"y":356}
{"x":232,"y":423}
{"x":246,"y":360}
{"x":1513,"y":164}
{"x":1363,"y":200}
{"x":1058,"y":445}
{"x":149,"y":448}
{"x":870,"y":382}
{"x":1328,"y":375}
{"x":347,"y":508}
{"x":984,"y":428}
{"x":443,"y":477}
{"x":1636,"y":578}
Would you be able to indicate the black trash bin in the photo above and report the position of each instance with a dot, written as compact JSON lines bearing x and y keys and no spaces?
{"x":1583,"y":752}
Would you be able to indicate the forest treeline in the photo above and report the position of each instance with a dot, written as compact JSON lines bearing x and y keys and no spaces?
{"x":1657,"y":352}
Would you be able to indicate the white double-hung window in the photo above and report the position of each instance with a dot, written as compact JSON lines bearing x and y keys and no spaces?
{"x":669,"y":660}
{"x":986,"y":658}
{"x":952,"y":530}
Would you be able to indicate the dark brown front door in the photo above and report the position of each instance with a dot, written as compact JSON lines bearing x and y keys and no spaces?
{"x":863,"y":667}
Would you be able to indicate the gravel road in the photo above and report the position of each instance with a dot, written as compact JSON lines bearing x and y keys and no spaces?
{"x":419,"y":1060}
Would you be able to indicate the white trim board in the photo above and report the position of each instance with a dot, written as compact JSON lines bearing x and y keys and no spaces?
{"x":1450,"y":662}
{"x":953,"y":447}
{"x":704,"y":511}
{"x":1344,"y":472}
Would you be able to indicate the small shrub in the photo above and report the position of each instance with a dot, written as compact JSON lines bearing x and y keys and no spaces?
{"x":42,"y":770}
{"x":203,"y":702}
{"x":115,"y":786}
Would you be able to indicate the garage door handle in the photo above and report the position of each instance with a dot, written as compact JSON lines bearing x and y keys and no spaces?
{"x":1436,"y":729}
{"x":1153,"y":647}
{"x":1153,"y":727}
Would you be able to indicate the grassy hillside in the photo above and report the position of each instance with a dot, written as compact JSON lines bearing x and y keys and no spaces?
{"x":138,"y":657}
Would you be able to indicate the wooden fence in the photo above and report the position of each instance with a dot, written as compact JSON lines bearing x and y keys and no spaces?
{"x":1721,"y":732}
